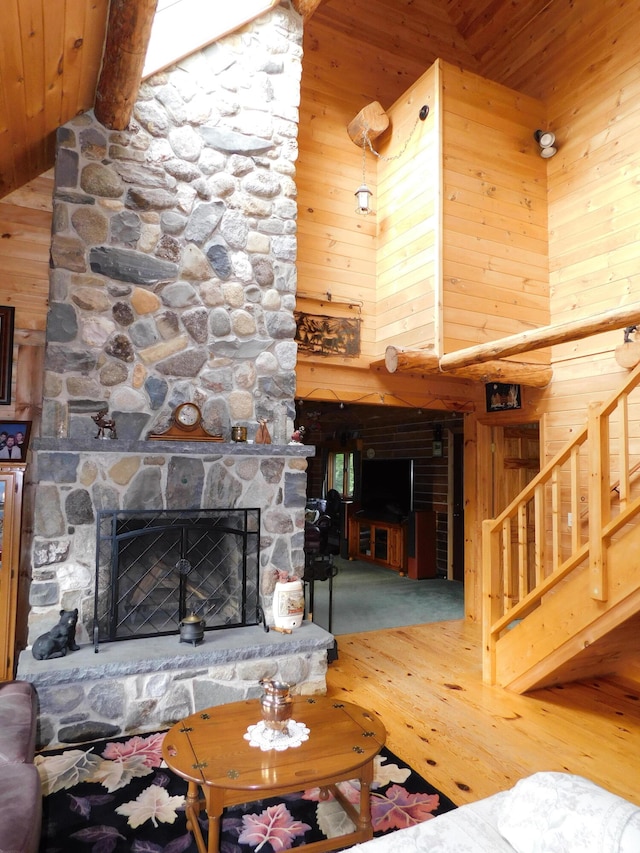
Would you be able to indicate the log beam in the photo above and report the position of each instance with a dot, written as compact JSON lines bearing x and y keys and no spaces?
{"x":306,"y":8}
{"x":128,"y":33}
{"x":426,"y":361}
{"x":559,"y":333}
{"x":421,"y":360}
{"x":371,"y":121}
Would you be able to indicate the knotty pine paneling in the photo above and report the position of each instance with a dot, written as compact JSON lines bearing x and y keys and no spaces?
{"x":594,"y":212}
{"x":51,"y":52}
{"x":25,"y":238}
{"x":487,"y":139}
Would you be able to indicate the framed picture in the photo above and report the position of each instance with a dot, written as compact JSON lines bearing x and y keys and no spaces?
{"x":6,"y":353}
{"x":14,"y":440}
{"x":502,"y":397}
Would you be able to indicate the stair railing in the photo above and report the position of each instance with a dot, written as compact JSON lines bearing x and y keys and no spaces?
{"x":565,"y":518}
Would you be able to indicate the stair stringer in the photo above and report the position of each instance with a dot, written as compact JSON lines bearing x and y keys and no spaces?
{"x":571,"y":635}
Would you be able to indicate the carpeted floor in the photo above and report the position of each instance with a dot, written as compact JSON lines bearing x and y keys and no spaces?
{"x":367,"y":597}
{"x":117,"y":797}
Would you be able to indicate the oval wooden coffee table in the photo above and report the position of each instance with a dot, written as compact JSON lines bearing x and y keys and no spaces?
{"x":209,"y":750}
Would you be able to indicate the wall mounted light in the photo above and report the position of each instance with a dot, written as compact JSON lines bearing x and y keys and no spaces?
{"x":547,"y":141}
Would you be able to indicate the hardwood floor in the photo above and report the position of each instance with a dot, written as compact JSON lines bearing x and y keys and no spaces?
{"x":471,"y":740}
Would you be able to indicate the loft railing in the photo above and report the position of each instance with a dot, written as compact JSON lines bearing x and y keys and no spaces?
{"x":564,"y":519}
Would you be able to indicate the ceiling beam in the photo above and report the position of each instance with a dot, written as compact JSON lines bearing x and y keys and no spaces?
{"x":426,"y":361}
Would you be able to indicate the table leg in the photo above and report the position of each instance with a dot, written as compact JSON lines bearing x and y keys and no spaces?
{"x":364,"y":823}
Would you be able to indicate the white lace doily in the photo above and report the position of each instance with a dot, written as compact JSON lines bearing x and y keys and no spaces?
{"x":265,"y":738}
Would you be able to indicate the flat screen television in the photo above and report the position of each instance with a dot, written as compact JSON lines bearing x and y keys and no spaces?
{"x":386,"y":489}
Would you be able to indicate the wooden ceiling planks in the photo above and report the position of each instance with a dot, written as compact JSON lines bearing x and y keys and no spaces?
{"x":50,"y":54}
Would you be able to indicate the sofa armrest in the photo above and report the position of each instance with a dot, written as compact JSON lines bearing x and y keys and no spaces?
{"x":18,"y":722}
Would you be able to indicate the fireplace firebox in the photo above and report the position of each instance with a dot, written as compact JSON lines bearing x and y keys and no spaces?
{"x":154,"y":568}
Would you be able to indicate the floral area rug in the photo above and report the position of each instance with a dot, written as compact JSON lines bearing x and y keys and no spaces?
{"x":118,"y":795}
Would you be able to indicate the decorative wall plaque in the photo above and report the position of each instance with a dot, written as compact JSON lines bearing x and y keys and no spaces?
{"x":322,"y":335}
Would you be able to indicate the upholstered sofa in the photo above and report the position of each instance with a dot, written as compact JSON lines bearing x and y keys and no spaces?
{"x":544,"y":813}
{"x":20,"y":793}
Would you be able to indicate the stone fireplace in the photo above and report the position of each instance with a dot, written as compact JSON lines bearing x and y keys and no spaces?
{"x":173,"y":279}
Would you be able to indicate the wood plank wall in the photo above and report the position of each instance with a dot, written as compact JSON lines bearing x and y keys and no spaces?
{"x":494,"y":234}
{"x":594,"y":207}
{"x":408,"y":203}
{"x":25,"y":239}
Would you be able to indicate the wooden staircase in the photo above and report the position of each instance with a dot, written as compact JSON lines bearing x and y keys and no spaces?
{"x":564,"y":603}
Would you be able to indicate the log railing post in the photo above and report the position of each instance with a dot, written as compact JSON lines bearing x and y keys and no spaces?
{"x":599,"y":506}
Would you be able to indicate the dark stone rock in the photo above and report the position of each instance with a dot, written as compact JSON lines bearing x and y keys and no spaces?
{"x":172,"y":222}
{"x":102,"y":181}
{"x":64,"y":360}
{"x":131,"y":266}
{"x":263,"y":270}
{"x":78,"y":507}
{"x":131,"y":425}
{"x":106,"y":698}
{"x":61,"y":699}
{"x":65,"y":136}
{"x":271,"y":469}
{"x":145,"y":490}
{"x":87,"y":730}
{"x":48,"y":517}
{"x":74,"y":198}
{"x":66,"y":172}
{"x":93,"y":143}
{"x":149,"y":199}
{"x":47,"y":552}
{"x":219,"y":322}
{"x":44,"y":594}
{"x":113,"y":373}
{"x":58,"y":467}
{"x":185,"y":479}
{"x":222,"y":489}
{"x":123,"y":313}
{"x":195,"y":322}
{"x":143,"y":333}
{"x":186,"y":363}
{"x":156,"y":391}
{"x":230,"y":142}
{"x":295,"y":489}
{"x":87,"y":406}
{"x":168,"y":324}
{"x":125,"y":228}
{"x":104,"y":497}
{"x":120,"y":347}
{"x":169,"y":249}
{"x":62,"y":323}
{"x":68,"y":253}
{"x":218,"y":255}
{"x":280,"y":325}
{"x":90,"y":224}
{"x":203,"y":221}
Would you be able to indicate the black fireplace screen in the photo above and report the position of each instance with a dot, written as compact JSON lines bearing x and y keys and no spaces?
{"x":156,"y":567}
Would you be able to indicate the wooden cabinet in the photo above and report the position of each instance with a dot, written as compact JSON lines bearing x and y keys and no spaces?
{"x":378,"y":542}
{"x":11,"y":483}
{"x":407,"y":547}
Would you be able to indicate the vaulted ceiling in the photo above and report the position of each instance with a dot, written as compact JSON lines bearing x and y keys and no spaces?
{"x":51,"y":54}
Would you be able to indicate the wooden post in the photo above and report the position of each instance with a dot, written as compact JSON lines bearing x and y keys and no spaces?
{"x":128,"y":35}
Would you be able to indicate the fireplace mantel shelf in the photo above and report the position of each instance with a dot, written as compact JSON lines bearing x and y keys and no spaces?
{"x":192,"y":448}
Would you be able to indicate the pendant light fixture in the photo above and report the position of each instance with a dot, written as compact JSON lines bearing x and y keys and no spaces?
{"x":363,"y":194}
